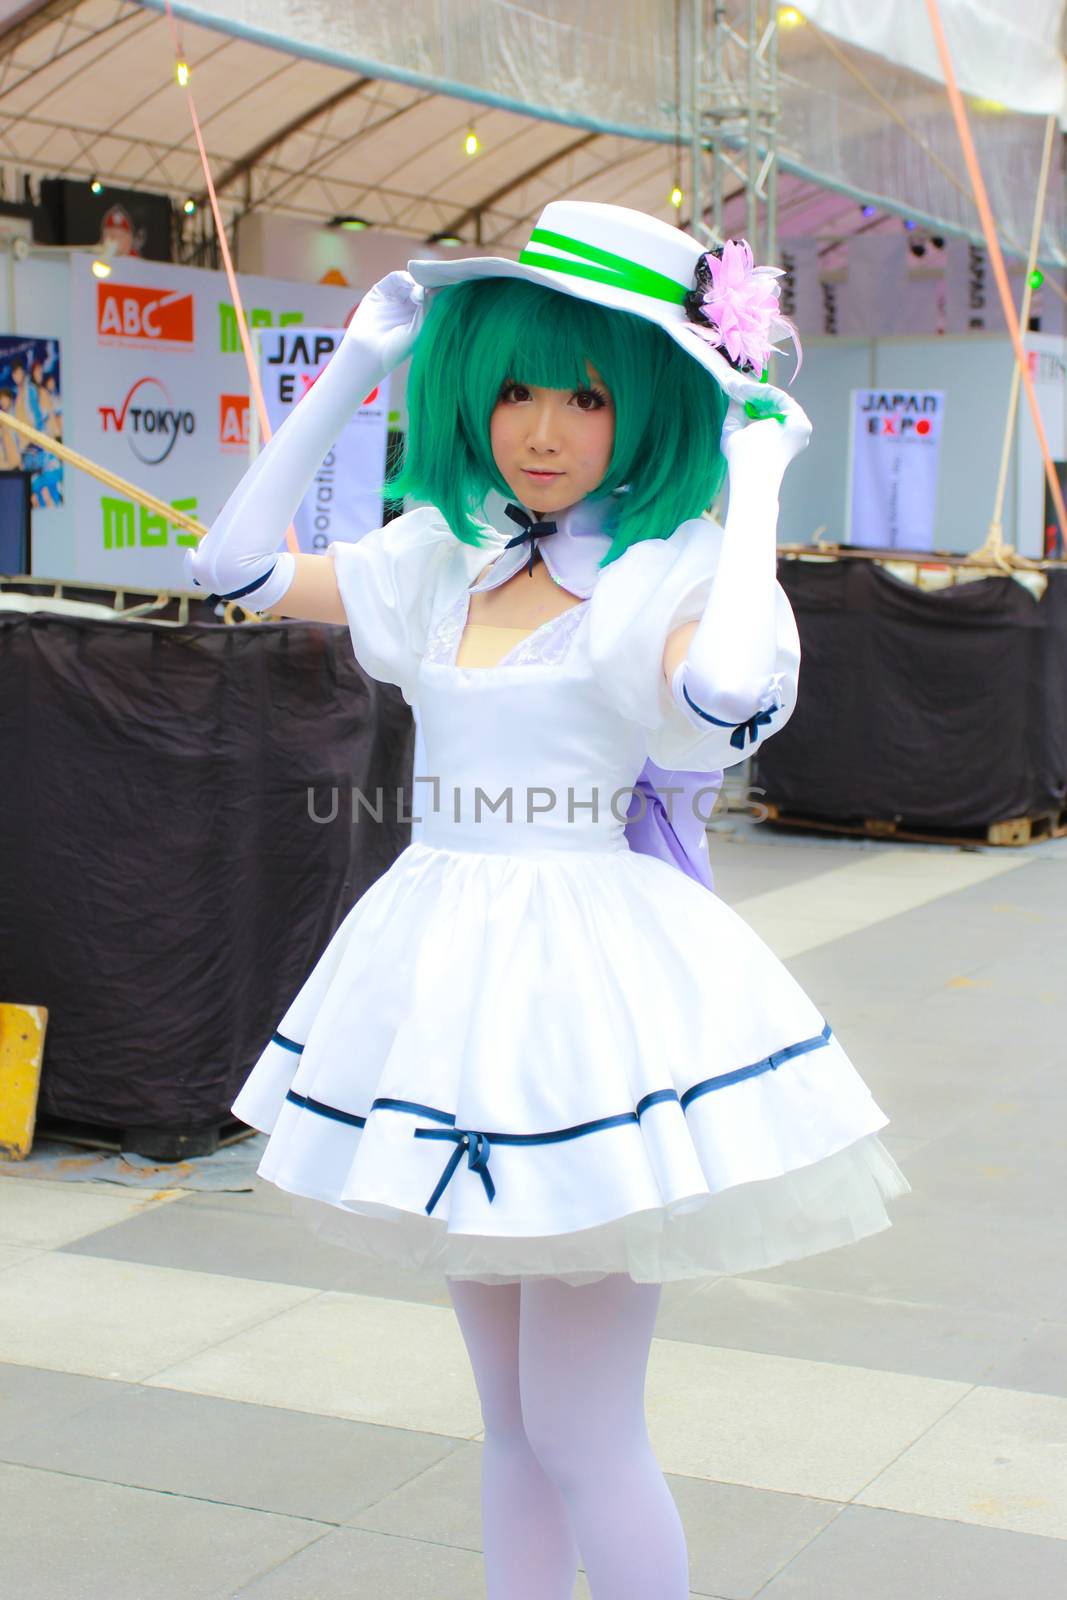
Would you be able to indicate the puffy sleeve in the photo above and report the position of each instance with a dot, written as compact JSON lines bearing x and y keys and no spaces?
{"x":655,"y":587}
{"x":388,"y":580}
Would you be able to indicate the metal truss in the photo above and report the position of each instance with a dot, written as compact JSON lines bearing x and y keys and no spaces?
{"x":732,"y":84}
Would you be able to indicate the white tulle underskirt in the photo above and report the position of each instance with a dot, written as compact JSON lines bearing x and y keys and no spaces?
{"x":835,"y":1201}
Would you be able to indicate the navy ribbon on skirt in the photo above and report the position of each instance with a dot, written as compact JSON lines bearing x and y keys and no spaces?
{"x":477,"y":1148}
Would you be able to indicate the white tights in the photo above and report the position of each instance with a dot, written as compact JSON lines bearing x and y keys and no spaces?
{"x":567,"y":1465}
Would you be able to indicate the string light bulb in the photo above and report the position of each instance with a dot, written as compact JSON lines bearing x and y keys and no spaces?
{"x":470,"y":143}
{"x":790,"y":17}
{"x":181,"y":72}
{"x":189,"y":207}
{"x":96,"y":186}
{"x":1036,"y":278}
{"x":677,"y":197}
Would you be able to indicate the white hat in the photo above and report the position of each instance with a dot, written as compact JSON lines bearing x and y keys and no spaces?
{"x":633,"y":262}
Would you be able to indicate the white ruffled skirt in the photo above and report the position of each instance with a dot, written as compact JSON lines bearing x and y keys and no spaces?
{"x":568,"y":1064}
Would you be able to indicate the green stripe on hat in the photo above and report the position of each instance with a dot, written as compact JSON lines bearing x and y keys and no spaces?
{"x":601,"y":266}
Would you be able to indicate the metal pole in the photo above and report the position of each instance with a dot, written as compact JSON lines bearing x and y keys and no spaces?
{"x":752,"y":121}
{"x":772,"y":140}
{"x":716,"y":111}
{"x":696,"y":156}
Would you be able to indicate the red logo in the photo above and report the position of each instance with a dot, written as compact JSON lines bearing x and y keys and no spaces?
{"x":234,"y":419}
{"x":126,"y":314}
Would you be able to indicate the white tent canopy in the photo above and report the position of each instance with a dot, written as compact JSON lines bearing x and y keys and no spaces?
{"x":316,"y":108}
{"x":1007,"y":51}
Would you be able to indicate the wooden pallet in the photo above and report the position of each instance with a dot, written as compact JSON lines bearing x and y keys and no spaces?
{"x":1010,"y":831}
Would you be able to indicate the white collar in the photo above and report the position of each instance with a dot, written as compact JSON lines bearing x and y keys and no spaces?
{"x":571,"y":554}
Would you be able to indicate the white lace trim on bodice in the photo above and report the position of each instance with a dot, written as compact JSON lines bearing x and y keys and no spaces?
{"x":545,"y":646}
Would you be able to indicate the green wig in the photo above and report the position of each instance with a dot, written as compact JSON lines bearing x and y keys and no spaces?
{"x":486,"y":332}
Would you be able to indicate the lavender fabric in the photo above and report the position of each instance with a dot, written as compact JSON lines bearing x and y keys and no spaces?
{"x":678,"y":838}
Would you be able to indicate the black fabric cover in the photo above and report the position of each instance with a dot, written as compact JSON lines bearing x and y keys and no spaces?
{"x":947,"y":709}
{"x":163,"y":889}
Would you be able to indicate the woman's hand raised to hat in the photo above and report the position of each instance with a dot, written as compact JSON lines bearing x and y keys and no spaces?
{"x":386,"y":322}
{"x":239,"y":554}
{"x":764,"y":445}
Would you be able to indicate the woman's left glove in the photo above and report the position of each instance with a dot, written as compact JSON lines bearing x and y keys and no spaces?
{"x":734,"y":668}
{"x":237,"y":558}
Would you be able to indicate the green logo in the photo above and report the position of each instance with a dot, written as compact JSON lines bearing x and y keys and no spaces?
{"x":256,"y":317}
{"x":128,"y":524}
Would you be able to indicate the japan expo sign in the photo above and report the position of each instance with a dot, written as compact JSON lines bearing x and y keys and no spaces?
{"x":895,"y":446}
{"x":161,"y":398}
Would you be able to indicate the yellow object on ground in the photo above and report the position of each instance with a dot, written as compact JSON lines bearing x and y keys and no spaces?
{"x":22,"y":1030}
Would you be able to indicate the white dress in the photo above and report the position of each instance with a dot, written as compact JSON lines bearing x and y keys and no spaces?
{"x":529,"y":1050}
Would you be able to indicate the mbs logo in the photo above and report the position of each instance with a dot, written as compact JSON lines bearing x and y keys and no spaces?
{"x":126,"y":314}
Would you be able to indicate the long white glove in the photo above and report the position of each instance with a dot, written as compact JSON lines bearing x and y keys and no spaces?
{"x":729,"y":672}
{"x":237,"y":557}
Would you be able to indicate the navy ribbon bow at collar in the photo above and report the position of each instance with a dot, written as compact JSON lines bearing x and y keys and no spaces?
{"x":531,"y":530}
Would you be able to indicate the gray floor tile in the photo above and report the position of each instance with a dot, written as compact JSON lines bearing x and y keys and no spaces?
{"x":751,"y":870}
{"x":1038,"y":1364}
{"x":856,"y":1330}
{"x":68,"y":1538}
{"x":885,"y":1555}
{"x":260,"y":1457}
{"x":738,"y":1537}
{"x":253,"y":1243}
{"x":33,"y":1396}
{"x":442,"y":1503}
{"x":350,"y":1564}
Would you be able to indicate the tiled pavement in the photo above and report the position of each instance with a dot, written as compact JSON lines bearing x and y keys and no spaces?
{"x":199,"y":1399}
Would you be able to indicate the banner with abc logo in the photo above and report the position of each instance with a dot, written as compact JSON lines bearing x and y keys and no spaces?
{"x":345,"y":500}
{"x":162,"y":400}
{"x":896,"y":442}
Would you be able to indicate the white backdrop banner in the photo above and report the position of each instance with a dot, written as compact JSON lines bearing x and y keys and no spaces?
{"x":345,"y":501}
{"x":895,"y":444}
{"x":161,"y":399}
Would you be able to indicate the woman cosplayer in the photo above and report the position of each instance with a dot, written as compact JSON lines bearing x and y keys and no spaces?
{"x":534,"y":1059}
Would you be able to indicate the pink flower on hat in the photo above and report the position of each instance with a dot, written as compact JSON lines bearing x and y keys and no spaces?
{"x":734,"y":306}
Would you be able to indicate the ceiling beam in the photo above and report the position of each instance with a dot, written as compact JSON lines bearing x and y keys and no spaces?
{"x":486,"y":203}
{"x":32,"y":20}
{"x":245,"y":163}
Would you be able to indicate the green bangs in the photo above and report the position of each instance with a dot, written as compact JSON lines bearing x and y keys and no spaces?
{"x":481,"y":333}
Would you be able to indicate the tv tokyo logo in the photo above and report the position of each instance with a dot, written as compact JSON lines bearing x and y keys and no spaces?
{"x":151,"y":430}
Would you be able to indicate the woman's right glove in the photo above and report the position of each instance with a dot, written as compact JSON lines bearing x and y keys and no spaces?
{"x":237,"y":558}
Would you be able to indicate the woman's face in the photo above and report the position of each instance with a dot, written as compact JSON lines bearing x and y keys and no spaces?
{"x":552,"y":446}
